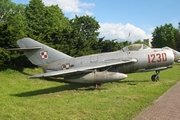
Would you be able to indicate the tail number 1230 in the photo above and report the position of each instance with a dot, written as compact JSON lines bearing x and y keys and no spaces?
{"x":159,"y":57}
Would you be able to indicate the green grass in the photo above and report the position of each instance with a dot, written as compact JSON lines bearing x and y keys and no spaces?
{"x":27,"y":99}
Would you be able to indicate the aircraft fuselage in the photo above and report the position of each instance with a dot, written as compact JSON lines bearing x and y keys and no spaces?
{"x":146,"y":60}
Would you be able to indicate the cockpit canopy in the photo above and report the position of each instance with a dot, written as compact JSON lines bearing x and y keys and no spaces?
{"x":135,"y":47}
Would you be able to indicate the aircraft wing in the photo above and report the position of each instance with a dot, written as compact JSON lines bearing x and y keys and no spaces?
{"x":84,"y":68}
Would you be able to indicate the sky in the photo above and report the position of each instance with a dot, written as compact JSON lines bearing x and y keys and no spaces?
{"x":124,"y":20}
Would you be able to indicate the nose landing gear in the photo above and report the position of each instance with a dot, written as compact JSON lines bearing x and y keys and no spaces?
{"x":155,"y":77}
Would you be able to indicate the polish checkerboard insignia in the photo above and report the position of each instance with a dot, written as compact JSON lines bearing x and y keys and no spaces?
{"x":44,"y":55}
{"x":66,"y":66}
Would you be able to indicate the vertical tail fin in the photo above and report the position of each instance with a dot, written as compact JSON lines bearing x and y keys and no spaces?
{"x":38,"y":53}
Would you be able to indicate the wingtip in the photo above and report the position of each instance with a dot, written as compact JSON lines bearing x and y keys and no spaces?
{"x":29,"y":77}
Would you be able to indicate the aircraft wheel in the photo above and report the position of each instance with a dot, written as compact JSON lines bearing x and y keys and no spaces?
{"x":154,"y":78}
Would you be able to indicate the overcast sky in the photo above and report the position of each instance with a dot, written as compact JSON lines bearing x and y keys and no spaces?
{"x":122,"y":19}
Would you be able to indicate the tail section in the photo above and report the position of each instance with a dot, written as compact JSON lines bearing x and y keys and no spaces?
{"x":38,"y":53}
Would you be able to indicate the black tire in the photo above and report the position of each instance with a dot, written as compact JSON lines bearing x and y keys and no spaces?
{"x":154,"y":78}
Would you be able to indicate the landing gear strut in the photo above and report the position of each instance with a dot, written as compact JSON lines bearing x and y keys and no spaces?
{"x":155,"y":77}
{"x":98,"y":85}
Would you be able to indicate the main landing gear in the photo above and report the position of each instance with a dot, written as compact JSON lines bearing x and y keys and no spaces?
{"x":155,"y":77}
{"x":97,"y":85}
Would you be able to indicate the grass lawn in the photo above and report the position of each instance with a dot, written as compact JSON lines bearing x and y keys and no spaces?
{"x":37,"y":99}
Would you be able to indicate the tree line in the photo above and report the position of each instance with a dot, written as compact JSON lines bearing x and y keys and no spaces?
{"x":48,"y":24}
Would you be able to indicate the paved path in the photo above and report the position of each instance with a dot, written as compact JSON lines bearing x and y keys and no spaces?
{"x":167,"y":107}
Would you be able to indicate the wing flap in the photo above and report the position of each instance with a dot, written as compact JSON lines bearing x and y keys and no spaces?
{"x":84,"y":68}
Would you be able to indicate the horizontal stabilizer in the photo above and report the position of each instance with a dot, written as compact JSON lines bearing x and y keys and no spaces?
{"x":25,"y":49}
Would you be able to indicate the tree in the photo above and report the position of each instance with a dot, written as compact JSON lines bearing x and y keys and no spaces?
{"x":177,"y":39}
{"x":126,"y":43}
{"x":84,"y":34}
{"x":164,"y":36}
{"x":12,"y":27}
{"x":57,"y":29}
{"x":48,"y":25}
{"x":35,"y":15}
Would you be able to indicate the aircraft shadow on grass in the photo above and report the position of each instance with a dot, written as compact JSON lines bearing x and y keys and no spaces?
{"x":70,"y":86}
{"x":132,"y":82}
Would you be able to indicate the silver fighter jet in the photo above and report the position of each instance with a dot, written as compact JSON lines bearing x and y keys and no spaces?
{"x":96,"y":68}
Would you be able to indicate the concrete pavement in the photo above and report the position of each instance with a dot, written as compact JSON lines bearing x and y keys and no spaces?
{"x":166,"y":107}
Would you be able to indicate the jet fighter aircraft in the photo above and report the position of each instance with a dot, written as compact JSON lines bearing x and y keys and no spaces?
{"x":96,"y":68}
